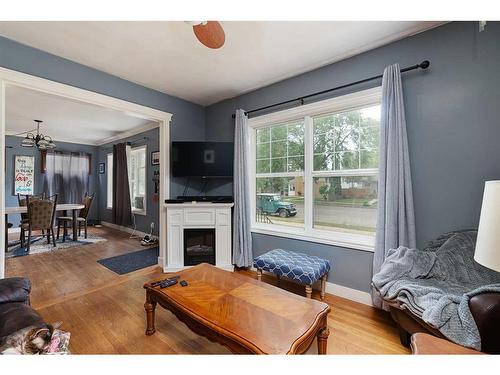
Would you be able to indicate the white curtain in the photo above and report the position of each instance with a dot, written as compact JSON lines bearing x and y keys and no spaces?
{"x":242,"y":239}
{"x":67,"y":174}
{"x":396,"y":218}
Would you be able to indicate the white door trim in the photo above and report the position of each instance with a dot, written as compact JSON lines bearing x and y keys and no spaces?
{"x":13,"y":78}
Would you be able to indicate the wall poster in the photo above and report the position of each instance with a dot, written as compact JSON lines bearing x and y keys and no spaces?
{"x":24,"y":176}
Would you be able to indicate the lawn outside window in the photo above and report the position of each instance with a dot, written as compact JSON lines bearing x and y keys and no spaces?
{"x":314,"y":171}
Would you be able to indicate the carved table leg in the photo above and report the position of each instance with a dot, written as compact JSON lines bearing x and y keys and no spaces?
{"x":150,"y":306}
{"x":323,"y":286}
{"x":259,"y":274}
{"x":309,"y":291}
{"x":323,"y":334}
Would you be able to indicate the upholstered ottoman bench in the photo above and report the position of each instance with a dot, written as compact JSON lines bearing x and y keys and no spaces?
{"x":303,"y":268}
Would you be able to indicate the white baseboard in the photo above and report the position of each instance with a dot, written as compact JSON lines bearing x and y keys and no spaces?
{"x":123,"y":229}
{"x":349,"y":293}
{"x":342,"y":291}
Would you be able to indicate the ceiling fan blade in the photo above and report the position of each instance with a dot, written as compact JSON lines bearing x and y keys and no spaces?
{"x":210,"y":34}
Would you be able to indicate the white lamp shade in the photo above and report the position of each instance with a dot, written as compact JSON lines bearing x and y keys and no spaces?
{"x":488,"y":237}
{"x":28,"y":142}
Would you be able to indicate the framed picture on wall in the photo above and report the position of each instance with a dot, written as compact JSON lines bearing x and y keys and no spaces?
{"x":24,"y":176}
{"x":102,"y":168}
{"x":155,"y":158}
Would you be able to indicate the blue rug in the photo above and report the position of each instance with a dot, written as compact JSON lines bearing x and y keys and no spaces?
{"x":133,"y":261}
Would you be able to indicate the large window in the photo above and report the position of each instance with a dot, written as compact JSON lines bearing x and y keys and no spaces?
{"x":315,"y":170}
{"x":137,"y":179}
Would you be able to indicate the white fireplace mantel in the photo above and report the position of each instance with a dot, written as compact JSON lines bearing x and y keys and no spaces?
{"x":182,"y":216}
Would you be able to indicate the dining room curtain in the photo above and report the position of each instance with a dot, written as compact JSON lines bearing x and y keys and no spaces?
{"x":395,"y":217}
{"x":242,"y":236}
{"x":122,"y":206}
{"x":66,"y":174}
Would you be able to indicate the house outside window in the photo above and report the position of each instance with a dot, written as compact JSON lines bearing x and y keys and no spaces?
{"x":314,"y":170}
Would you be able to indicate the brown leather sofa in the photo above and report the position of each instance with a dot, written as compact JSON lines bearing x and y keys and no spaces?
{"x":15,"y":310}
{"x":485,"y":309}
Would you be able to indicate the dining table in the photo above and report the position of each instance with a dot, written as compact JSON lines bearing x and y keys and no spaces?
{"x":73,"y":207}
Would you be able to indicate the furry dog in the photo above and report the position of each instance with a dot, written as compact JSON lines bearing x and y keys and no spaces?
{"x":29,"y":340}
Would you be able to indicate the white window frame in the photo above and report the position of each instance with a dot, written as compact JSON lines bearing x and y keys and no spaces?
{"x":307,"y":112}
{"x":134,"y":210}
{"x":109,"y":181}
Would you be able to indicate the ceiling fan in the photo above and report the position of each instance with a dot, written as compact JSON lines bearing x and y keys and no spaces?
{"x":209,"y":33}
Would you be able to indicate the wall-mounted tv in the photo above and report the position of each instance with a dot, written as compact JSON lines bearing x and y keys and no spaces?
{"x":202,"y":159}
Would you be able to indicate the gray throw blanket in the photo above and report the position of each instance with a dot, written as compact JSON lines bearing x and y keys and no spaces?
{"x":436,"y":284}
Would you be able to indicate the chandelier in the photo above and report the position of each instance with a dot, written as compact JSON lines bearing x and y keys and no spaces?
{"x":43,"y":142}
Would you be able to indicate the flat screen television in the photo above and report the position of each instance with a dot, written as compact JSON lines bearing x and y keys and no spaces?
{"x":202,"y":159}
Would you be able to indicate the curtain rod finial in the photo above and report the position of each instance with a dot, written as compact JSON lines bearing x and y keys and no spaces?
{"x":425,"y":64}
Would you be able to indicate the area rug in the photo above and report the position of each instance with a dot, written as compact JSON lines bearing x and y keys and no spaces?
{"x":39,"y":245}
{"x":122,"y":264}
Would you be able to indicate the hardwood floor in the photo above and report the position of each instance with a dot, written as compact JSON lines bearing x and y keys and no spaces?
{"x":105,"y":315}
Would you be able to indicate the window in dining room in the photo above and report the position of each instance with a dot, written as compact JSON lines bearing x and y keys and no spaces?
{"x":109,"y":175}
{"x":67,"y":175}
{"x":137,"y":179}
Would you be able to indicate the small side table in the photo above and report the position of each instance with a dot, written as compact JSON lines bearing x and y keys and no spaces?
{"x":423,"y":343}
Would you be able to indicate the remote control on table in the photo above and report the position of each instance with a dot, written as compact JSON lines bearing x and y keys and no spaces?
{"x":183,"y":283}
{"x":156,"y":283}
{"x":168,"y":283}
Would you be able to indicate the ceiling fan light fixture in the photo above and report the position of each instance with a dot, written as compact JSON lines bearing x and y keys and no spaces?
{"x":210,"y":34}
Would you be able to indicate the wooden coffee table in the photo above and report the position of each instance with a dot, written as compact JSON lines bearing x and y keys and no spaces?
{"x":241,"y":313}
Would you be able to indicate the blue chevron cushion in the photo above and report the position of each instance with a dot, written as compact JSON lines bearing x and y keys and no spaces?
{"x":303,"y":268}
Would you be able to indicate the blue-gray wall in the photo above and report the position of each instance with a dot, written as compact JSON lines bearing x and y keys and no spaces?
{"x":188,"y":121}
{"x":453,"y":119}
{"x":13,"y":147}
{"x":143,"y":222}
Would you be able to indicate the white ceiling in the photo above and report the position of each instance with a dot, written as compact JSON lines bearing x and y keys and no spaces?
{"x":67,"y":120}
{"x":167,"y":57}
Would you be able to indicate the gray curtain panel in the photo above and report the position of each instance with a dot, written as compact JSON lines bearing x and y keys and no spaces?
{"x":67,"y":175}
{"x":242,"y":239}
{"x":122,"y":207}
{"x":396,"y":219}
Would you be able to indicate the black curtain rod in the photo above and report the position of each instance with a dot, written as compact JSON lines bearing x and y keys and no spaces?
{"x":423,"y":65}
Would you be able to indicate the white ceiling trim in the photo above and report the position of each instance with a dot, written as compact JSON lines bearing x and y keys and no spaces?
{"x":129,"y":133}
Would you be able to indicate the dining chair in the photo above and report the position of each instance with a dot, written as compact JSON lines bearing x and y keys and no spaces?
{"x":81,"y":218}
{"x":22,"y":200}
{"x":41,"y":213}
